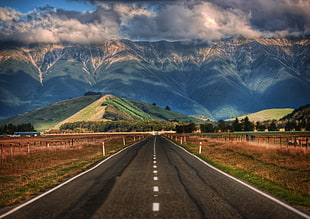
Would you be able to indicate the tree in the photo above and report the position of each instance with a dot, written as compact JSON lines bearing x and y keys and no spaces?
{"x":272,"y":127}
{"x":237,"y":127}
{"x":260,"y":127}
{"x":247,"y":125}
{"x":189,"y":128}
{"x":168,"y":108}
{"x":207,"y":127}
{"x":221,"y":125}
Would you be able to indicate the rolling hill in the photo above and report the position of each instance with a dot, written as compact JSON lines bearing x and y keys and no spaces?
{"x":95,"y":108}
{"x":265,"y":115}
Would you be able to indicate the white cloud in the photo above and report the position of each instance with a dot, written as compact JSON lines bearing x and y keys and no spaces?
{"x":8,"y":14}
{"x":180,"y":20}
{"x":49,"y":26}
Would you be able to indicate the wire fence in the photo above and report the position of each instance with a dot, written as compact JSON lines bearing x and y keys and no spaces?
{"x":281,"y":141}
{"x":19,"y":146}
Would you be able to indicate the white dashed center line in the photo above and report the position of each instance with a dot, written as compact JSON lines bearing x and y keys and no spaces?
{"x":155,"y":189}
{"x":155,"y":206}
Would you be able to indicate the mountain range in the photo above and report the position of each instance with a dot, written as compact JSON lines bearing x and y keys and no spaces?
{"x":219,"y":79}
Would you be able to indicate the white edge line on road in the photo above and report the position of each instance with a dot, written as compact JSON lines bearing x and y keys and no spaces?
{"x":247,"y":185}
{"x":64,"y":183}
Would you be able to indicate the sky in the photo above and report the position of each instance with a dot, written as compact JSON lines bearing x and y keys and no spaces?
{"x":94,"y":21}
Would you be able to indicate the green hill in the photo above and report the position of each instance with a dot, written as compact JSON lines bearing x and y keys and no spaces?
{"x":126,"y":109}
{"x":265,"y":115}
{"x":95,"y":108}
{"x":47,"y":117}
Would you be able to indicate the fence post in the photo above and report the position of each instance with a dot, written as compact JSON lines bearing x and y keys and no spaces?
{"x":103,"y":149}
{"x":11,"y":150}
{"x":28,"y":148}
{"x":200,"y":147}
{"x":1,"y":145}
{"x":124,"y":141}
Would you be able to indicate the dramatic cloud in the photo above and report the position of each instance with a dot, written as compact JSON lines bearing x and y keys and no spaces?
{"x":58,"y":25}
{"x":201,"y":21}
{"x":157,"y":20}
{"x":278,"y":17}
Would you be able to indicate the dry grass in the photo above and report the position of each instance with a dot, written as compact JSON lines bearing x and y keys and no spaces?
{"x":287,"y":168}
{"x":26,"y":175}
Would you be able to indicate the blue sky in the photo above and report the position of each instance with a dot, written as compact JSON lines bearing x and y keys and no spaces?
{"x":29,"y":5}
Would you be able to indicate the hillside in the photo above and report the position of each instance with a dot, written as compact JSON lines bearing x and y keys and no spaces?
{"x":302,"y":113}
{"x":46,"y":117}
{"x":95,"y":108}
{"x":219,"y":79}
{"x":265,"y":115}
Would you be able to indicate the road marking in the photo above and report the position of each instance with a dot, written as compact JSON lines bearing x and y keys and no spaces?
{"x":66,"y":182}
{"x":155,"y":189}
{"x":155,"y":206}
{"x":245,"y":184}
{"x":154,"y":146}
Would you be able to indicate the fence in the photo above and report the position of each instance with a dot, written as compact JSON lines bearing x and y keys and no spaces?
{"x":10,"y":147}
{"x":286,"y":141}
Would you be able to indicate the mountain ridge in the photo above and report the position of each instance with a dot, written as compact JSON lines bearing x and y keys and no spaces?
{"x":215,"y":79}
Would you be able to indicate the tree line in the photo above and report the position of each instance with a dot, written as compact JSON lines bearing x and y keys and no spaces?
{"x":11,"y":128}
{"x":119,"y":126}
{"x":245,"y":125}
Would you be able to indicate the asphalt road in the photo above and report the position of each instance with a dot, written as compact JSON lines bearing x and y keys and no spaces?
{"x":154,"y":179}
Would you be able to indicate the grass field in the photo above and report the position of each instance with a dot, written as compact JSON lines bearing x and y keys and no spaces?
{"x":47,"y":117}
{"x":24,"y":176}
{"x":265,"y":115}
{"x":282,"y":172}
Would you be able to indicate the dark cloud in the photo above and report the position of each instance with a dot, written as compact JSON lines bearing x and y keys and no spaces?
{"x":148,"y":20}
{"x":286,"y":16}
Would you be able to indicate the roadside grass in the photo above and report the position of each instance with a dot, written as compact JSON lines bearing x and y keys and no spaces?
{"x":284,"y":173}
{"x":24,"y":176}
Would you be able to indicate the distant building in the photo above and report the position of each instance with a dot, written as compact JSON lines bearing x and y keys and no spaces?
{"x":27,"y":133}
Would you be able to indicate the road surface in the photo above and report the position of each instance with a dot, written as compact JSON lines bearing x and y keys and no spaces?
{"x":154,"y":179}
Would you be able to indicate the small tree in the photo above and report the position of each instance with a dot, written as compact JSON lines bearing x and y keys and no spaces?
{"x":247,"y":125}
{"x":221,"y":125}
{"x":237,"y":127}
{"x":272,"y":127}
{"x":207,"y":127}
{"x":168,"y":108}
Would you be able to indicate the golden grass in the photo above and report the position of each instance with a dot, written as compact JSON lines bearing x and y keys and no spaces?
{"x":288,"y":168}
{"x":24,"y":176}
